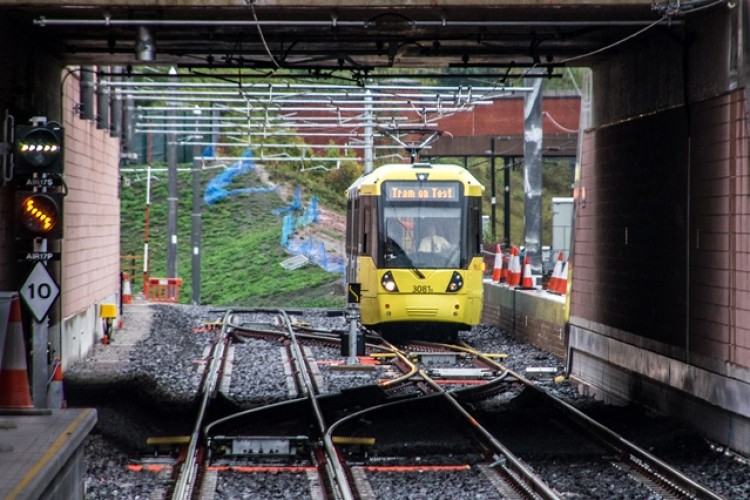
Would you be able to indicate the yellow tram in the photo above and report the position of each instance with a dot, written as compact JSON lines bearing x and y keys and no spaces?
{"x":413,"y":245}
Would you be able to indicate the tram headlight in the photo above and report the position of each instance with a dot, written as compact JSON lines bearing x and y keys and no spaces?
{"x":388,"y":282}
{"x":456,"y":283}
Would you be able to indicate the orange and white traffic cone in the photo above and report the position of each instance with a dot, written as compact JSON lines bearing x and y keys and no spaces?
{"x":526,"y":280}
{"x":14,"y":377}
{"x":127,"y":297}
{"x":554,"y":281}
{"x":514,"y":268}
{"x":562,"y":285}
{"x":504,"y":272}
{"x":497,"y":269}
{"x":55,"y":397}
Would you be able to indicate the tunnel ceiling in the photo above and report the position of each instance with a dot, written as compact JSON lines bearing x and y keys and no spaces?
{"x":361,"y":40}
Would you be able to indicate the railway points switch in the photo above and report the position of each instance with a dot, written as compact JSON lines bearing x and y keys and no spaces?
{"x":460,"y":373}
{"x":437,"y":358}
{"x":541,"y":371}
{"x":260,"y":446}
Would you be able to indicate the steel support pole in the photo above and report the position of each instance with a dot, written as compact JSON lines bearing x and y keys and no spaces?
{"x":493,"y":199}
{"x":196,"y":227}
{"x":368,"y":151}
{"x":533,"y":136}
{"x":507,"y":162}
{"x":172,"y":198}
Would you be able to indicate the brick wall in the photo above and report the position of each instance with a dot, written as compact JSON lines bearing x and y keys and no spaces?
{"x":91,"y":248}
{"x":663,"y":253}
{"x":533,"y":317}
{"x":631,"y":227}
{"x":720,"y":230}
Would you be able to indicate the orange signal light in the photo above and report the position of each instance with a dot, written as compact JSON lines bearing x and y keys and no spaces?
{"x":39,"y":215}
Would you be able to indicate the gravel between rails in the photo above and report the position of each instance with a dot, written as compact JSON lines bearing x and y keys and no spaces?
{"x":163,"y":345}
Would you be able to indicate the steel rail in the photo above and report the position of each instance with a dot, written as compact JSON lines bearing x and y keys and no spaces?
{"x":188,"y":473}
{"x":529,"y":480}
{"x":336,"y":476}
{"x":631,"y":453}
{"x":539,"y":488}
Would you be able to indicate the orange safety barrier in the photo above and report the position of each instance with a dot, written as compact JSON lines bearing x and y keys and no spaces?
{"x":164,"y":289}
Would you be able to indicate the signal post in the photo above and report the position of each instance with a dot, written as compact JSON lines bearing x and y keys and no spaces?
{"x":37,"y":166}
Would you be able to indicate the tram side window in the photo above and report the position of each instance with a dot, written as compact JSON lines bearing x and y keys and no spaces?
{"x":369,"y":229}
{"x":352,"y":226}
{"x":475,"y":227}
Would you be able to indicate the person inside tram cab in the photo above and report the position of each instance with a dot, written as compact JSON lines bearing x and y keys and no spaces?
{"x":433,"y":242}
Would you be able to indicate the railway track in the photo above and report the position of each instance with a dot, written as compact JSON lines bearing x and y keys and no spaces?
{"x":404,"y":415}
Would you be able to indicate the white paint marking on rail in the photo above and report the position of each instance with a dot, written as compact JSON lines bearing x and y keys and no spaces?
{"x":226,"y":377}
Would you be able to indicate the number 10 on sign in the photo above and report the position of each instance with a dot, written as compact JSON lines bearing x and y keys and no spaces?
{"x":40,"y":291}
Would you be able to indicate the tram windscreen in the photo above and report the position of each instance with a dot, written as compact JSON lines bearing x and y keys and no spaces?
{"x":423,"y":226}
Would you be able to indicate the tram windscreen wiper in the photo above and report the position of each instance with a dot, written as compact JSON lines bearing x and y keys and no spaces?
{"x":410,"y":264}
{"x":399,"y":253}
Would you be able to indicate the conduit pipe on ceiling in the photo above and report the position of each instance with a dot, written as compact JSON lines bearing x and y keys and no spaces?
{"x":108,"y":22}
{"x":349,"y":89}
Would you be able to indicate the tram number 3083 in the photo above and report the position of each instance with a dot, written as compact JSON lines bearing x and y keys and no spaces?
{"x":421,"y":289}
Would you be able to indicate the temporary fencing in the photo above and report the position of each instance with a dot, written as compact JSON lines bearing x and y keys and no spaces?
{"x":291,"y":221}
{"x":310,"y":247}
{"x":315,"y":251}
{"x":295,"y":218}
{"x":216,"y":189}
{"x":164,"y":289}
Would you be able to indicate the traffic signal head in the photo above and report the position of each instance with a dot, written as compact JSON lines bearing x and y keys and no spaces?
{"x":38,"y":148}
{"x":39,"y":215}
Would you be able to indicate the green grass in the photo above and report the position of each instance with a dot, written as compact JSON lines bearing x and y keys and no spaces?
{"x":241,"y":254}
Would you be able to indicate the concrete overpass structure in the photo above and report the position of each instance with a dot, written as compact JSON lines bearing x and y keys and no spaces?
{"x":660,"y":297}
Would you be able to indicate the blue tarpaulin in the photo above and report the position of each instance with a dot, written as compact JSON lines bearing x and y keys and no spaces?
{"x":216,"y":188}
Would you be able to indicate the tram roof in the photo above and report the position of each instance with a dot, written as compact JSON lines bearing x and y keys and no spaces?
{"x":369,"y":184}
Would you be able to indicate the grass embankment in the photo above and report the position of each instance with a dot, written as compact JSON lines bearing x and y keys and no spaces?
{"x":241,"y":253}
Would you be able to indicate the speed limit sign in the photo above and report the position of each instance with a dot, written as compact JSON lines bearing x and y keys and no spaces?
{"x":40,"y":291}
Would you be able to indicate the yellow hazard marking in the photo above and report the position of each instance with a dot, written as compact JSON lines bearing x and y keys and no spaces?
{"x":157,"y":441}
{"x":496,"y":356}
{"x":48,"y":455}
{"x":353,"y":440}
